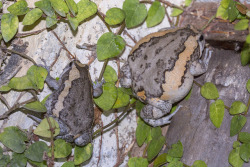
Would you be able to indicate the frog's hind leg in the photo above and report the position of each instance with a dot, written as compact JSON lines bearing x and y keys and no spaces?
{"x":125,"y":80}
{"x":161,"y":121}
{"x":156,"y":108}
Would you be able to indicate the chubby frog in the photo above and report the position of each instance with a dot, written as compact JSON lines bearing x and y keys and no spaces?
{"x":160,"y":70}
{"x":71,"y":104}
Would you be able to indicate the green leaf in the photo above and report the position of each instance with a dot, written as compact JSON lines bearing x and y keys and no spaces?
{"x":33,"y":80}
{"x":72,"y":6}
{"x":156,"y":14}
{"x":86,"y":9}
{"x":19,"y":8}
{"x":45,"y":99}
{"x":245,"y":54}
{"x":222,"y":13}
{"x":174,"y":107}
{"x":188,"y":95}
{"x":236,"y":144}
{"x":170,"y":158}
{"x":176,"y":12}
{"x":32,"y":16}
{"x":5,"y":88}
{"x":14,"y":139}
{"x":109,"y":74}
{"x":108,"y":97}
{"x":135,"y":13}
{"x":36,"y":150}
{"x":242,"y":24}
{"x":122,"y":99}
{"x":50,"y":21}
{"x":1,"y":4}
{"x":234,"y":158}
{"x":237,"y":123}
{"x":109,"y":45}
{"x":224,"y":3}
{"x":73,"y":22}
{"x":245,"y":152}
{"x":127,"y":91}
{"x":137,"y":162}
{"x":199,"y":163}
{"x":188,"y":2}
{"x":82,"y":154}
{"x":46,"y":7}
{"x":62,"y":149}
{"x":232,"y":10}
{"x":176,"y":151}
{"x":142,"y":132}
{"x":4,"y":160}
{"x":160,"y":160}
{"x":68,"y":164}
{"x":209,"y":91}
{"x":248,"y":85}
{"x":237,"y":107}
{"x":36,"y":106}
{"x":38,"y":164}
{"x":175,"y":164}
{"x":139,"y":105}
{"x":60,"y":7}
{"x":244,"y":137}
{"x":43,"y":128}
{"x":217,"y":112}
{"x":18,"y":160}
{"x":114,"y":16}
{"x":248,"y":39}
{"x":156,"y":132}
{"x":9,"y":26}
{"x":155,"y":147}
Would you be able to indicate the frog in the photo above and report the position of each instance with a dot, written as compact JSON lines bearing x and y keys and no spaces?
{"x":160,"y":70}
{"x":71,"y":102}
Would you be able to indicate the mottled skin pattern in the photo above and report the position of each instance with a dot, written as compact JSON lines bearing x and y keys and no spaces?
{"x":160,"y":70}
{"x":71,"y":104}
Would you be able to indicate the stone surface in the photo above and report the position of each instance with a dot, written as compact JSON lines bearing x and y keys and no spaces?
{"x":192,"y":126}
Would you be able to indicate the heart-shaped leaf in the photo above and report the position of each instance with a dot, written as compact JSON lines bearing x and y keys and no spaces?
{"x":156,"y":14}
{"x":9,"y":26}
{"x":217,"y":112}
{"x":109,"y":45}
{"x":135,"y":13}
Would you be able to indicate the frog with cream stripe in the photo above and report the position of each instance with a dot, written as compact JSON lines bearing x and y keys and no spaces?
{"x":160,"y":70}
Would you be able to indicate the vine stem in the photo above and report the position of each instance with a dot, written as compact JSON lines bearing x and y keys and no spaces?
{"x":102,"y":18}
{"x":20,"y":54}
{"x":164,"y":2}
{"x":209,"y":21}
{"x":64,"y":47}
{"x":52,"y":131}
{"x":114,"y":121}
{"x":103,"y":69}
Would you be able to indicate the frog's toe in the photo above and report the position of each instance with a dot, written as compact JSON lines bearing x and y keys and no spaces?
{"x":84,"y":139}
{"x":97,"y":88}
{"x":161,"y":121}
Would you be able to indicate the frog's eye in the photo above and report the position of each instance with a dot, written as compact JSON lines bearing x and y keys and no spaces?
{"x":201,"y":38}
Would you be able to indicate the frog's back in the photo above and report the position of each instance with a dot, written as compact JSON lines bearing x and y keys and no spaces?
{"x":155,"y":57}
{"x":76,"y":110}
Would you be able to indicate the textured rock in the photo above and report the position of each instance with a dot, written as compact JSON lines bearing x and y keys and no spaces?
{"x":192,"y":125}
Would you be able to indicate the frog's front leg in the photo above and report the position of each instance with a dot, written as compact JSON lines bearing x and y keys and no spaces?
{"x":125,"y":80}
{"x":85,"y":138}
{"x":154,"y":112}
{"x":199,"y":67}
